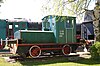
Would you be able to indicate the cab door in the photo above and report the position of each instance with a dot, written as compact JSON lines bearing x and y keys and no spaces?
{"x":70,"y":34}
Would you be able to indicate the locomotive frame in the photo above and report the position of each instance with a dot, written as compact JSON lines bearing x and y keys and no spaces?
{"x":36,"y":50}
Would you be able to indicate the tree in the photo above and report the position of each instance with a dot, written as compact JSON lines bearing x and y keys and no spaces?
{"x":1,"y":1}
{"x":65,"y":7}
{"x":96,"y":21}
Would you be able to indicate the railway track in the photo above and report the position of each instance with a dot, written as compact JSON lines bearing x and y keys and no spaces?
{"x":71,"y":57}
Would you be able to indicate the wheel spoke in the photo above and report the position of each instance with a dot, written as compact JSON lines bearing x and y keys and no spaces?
{"x":35,"y":51}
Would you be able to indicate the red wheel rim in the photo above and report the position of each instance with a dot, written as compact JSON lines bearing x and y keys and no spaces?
{"x":66,"y":49}
{"x":35,"y":51}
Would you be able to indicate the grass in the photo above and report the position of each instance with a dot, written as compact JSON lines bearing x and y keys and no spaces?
{"x":53,"y":61}
{"x":4,"y":63}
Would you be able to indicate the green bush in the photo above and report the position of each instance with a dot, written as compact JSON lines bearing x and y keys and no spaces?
{"x":95,"y":50}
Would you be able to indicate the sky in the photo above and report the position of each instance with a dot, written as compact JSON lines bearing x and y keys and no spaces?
{"x":91,"y":5}
{"x":29,"y":9}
